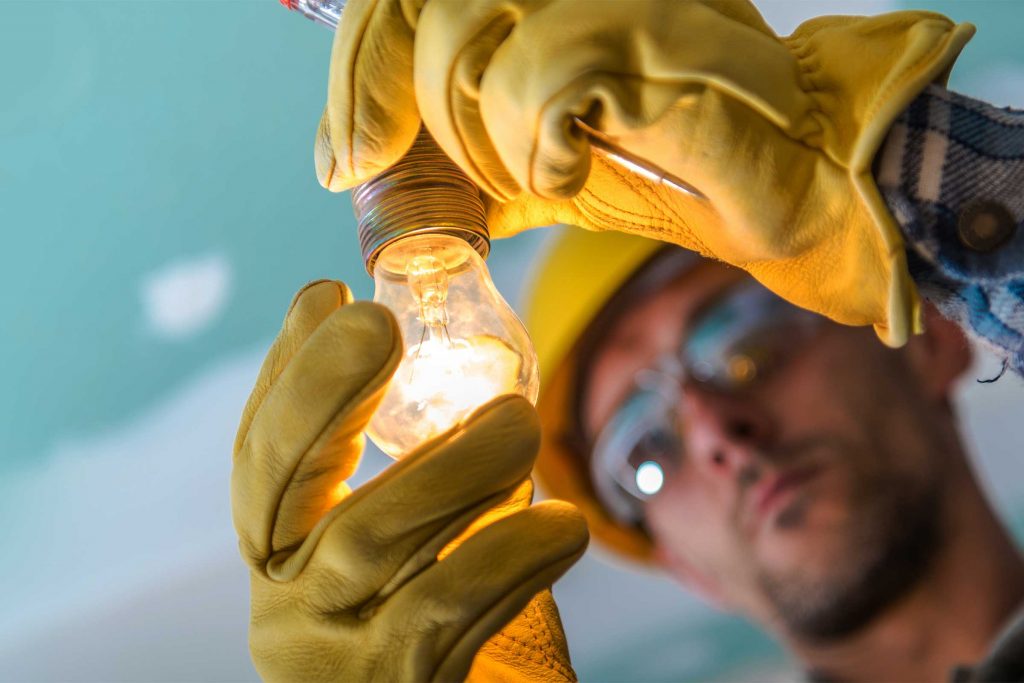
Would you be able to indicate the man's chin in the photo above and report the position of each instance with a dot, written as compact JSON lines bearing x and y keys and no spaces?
{"x":829,"y":566}
{"x":809,"y":535}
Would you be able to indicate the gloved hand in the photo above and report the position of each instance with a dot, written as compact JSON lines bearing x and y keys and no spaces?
{"x":347,"y":585}
{"x":778,"y":133}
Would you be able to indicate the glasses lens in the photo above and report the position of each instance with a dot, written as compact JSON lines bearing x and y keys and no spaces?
{"x":655,"y":453}
{"x":744,"y":337}
{"x":638,"y":447}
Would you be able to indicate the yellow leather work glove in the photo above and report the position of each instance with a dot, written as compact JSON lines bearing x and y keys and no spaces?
{"x":347,"y":585}
{"x":778,"y":133}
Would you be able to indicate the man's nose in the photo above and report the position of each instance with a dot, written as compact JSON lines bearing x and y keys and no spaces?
{"x":724,"y":431}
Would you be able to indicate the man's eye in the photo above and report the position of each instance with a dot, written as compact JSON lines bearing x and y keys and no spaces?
{"x":661,"y":446}
{"x":741,"y":368}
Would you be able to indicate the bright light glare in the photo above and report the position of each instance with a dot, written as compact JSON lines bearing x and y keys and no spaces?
{"x":440,"y":382}
{"x":650,"y":174}
{"x":463,"y":344}
{"x":649,"y":478}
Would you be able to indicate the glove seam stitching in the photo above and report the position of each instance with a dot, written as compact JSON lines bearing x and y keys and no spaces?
{"x":600,"y":208}
{"x":596,"y":204}
{"x":544,"y":659}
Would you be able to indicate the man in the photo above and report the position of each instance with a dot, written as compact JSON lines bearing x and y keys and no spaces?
{"x":810,"y":153}
{"x":785,"y":467}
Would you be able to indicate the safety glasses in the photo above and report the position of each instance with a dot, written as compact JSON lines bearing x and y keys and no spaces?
{"x":738,"y":341}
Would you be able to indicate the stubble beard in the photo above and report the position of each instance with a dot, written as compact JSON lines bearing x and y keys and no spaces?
{"x":896,"y":540}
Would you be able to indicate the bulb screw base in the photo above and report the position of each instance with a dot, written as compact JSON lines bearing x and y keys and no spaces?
{"x":424,"y":193}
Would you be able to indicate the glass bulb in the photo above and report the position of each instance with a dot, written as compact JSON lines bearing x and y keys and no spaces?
{"x":463,"y":344}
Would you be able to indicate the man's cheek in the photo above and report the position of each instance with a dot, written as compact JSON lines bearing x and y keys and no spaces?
{"x":698,"y":529}
{"x":825,"y":388}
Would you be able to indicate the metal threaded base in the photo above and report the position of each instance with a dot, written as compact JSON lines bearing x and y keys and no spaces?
{"x":425,"y":192}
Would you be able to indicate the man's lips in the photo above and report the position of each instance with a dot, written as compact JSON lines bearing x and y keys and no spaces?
{"x":773,"y":490}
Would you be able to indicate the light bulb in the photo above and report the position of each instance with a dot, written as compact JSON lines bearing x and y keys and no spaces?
{"x":423,"y":235}
{"x":424,"y":221}
{"x":463,"y":344}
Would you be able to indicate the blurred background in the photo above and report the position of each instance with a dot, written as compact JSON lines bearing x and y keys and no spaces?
{"x":159,"y":209}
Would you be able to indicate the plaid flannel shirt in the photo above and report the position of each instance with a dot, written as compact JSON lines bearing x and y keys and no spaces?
{"x":952,"y":173}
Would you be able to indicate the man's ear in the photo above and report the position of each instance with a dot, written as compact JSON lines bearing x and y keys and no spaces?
{"x":683,"y":571}
{"x":940,"y":355}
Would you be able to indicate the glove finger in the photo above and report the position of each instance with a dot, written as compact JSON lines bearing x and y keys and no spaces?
{"x":371,"y":118}
{"x":519,"y":499}
{"x":309,"y":307}
{"x":454,"y":44}
{"x":324,"y":161}
{"x":470,"y":595}
{"x":397,"y":523}
{"x":306,"y":435}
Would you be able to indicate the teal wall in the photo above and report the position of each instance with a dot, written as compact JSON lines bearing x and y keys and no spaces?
{"x":135,"y":135}
{"x":158,"y":208}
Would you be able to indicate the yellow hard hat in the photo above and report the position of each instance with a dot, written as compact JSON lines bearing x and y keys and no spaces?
{"x":579,"y":274}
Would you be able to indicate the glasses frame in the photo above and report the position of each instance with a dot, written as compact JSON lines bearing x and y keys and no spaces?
{"x":660,"y":387}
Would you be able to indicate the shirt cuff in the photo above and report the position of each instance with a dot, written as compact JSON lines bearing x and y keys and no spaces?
{"x":952,"y":173}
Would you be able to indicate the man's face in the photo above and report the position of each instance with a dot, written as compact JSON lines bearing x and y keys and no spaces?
{"x":810,"y":500}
